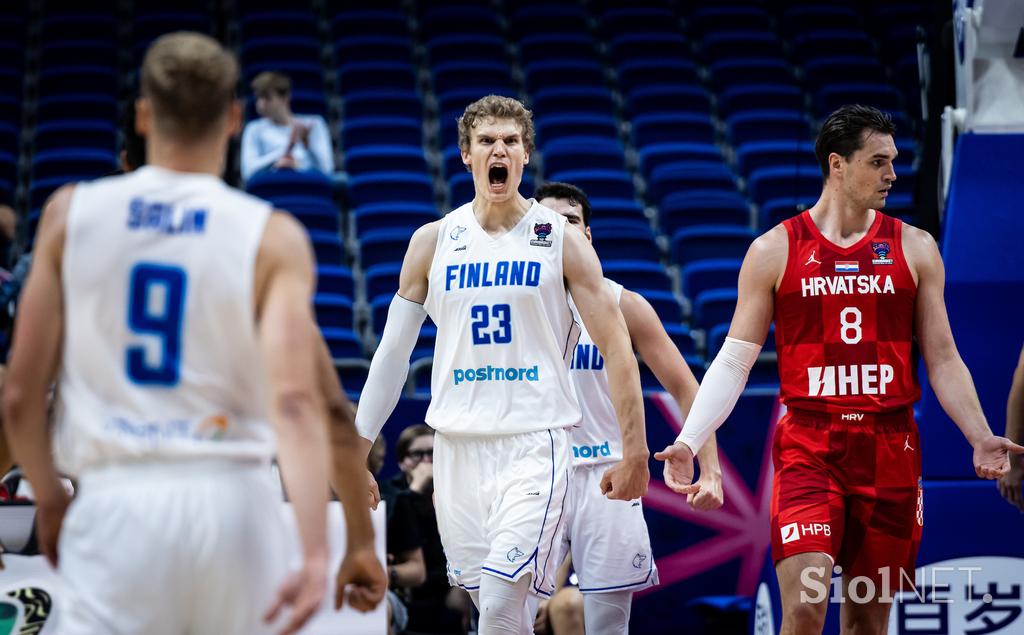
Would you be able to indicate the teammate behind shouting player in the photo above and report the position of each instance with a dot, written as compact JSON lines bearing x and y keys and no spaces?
{"x":849,"y":288}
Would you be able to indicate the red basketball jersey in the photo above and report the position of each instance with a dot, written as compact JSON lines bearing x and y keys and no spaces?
{"x":844,"y":321}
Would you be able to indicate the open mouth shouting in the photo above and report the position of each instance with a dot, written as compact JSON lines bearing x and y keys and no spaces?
{"x":497,"y":177}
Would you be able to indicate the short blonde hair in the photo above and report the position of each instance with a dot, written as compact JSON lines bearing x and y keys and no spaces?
{"x":189,"y":79}
{"x":269,"y":82}
{"x":496,"y":107}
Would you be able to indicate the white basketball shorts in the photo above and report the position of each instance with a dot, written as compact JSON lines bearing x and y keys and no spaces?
{"x":171,"y":548}
{"x":499,"y":505}
{"x":611,"y":549}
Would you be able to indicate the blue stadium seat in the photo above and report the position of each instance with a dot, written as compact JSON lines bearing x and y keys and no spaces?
{"x":361,"y":22}
{"x":148,"y":25}
{"x":556,"y":101}
{"x":327,"y":247}
{"x":471,"y":75}
{"x":396,"y":49}
{"x":638,"y":274}
{"x":271,"y":184}
{"x":304,"y":76}
{"x":774,"y":211}
{"x":393,"y":215}
{"x":382,"y":187}
{"x":84,"y":105}
{"x":765,"y":125}
{"x":405,"y":104}
{"x":451,"y":161}
{"x":681,"y":127}
{"x":763,"y":154}
{"x":569,"y":153}
{"x":625,"y":241}
{"x":723,"y":45}
{"x":665,"y":304}
{"x":383,"y":245}
{"x":314,"y":212}
{"x":881,"y":96}
{"x":466,"y":19}
{"x":616,"y":208}
{"x":703,"y":207}
{"x":335,"y":280}
{"x":274,"y":50}
{"x":281,"y":23}
{"x":635,"y":46}
{"x":352,"y":375}
{"x":453,"y":103}
{"x":81,"y":133}
{"x":713,"y":307}
{"x":691,"y":244}
{"x":735,"y":72}
{"x":73,"y":163}
{"x":575,"y":125}
{"x":460,"y":188}
{"x":847,"y":68}
{"x":454,"y":48}
{"x":382,"y":279}
{"x":638,"y":19}
{"x":385,"y":158}
{"x":551,"y":18}
{"x":654,"y":156}
{"x":784,"y":182}
{"x":661,"y":70}
{"x":361,"y":76}
{"x":684,"y":176}
{"x":78,"y":51}
{"x":333,"y":311}
{"x":63,"y":80}
{"x":9,"y":135}
{"x":370,"y":131}
{"x":704,"y":275}
{"x":558,"y":46}
{"x":10,"y":109}
{"x":706,"y":19}
{"x":760,"y":97}
{"x":797,"y":19}
{"x":599,"y":183}
{"x":342,"y":342}
{"x":558,"y":73}
{"x":668,"y":98}
{"x":100,"y":24}
{"x":831,"y":42}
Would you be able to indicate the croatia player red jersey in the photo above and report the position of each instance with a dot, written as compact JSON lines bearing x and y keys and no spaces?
{"x":844,"y":321}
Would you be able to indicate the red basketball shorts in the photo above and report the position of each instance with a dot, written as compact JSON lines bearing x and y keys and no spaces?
{"x":849,"y":485}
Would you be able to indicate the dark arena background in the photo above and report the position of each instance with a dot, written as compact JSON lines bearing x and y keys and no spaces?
{"x":690,"y":124}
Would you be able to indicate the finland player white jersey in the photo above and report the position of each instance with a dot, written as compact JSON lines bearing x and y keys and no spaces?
{"x":599,"y":439}
{"x":505,"y":332}
{"x":160,"y":357}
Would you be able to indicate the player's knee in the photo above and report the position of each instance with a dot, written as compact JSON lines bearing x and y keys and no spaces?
{"x":566,"y":606}
{"x":805,"y":617}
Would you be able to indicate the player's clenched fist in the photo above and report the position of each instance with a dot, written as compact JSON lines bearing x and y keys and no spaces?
{"x":626,"y":480}
{"x":678,"y":460}
{"x":363,"y":573}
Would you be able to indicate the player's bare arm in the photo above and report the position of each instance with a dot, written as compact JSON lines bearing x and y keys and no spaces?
{"x":360,"y":568}
{"x":1010,"y":483}
{"x":601,"y":315}
{"x":287,"y":335}
{"x":663,"y":358}
{"x":947,"y":372}
{"x":34,"y":359}
{"x":390,"y":364}
{"x":760,"y":274}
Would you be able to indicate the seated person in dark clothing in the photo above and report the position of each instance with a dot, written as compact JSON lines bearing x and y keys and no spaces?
{"x":434,"y":607}
{"x":406,"y":569}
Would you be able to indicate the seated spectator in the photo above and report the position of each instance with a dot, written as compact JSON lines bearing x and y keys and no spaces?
{"x":435,"y":607}
{"x":405,"y":553}
{"x":282,"y":140}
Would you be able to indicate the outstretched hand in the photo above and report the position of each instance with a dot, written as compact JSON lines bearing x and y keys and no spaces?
{"x":678,"y":460}
{"x":992,"y":456}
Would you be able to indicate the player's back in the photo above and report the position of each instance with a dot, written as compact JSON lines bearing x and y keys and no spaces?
{"x":844,"y":321}
{"x":160,"y":352}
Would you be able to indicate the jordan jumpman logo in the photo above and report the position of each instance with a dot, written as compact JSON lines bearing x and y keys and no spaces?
{"x":812,"y":259}
{"x":906,"y":444}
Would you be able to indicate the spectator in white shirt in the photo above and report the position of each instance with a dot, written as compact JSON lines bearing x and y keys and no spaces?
{"x":280,"y":139}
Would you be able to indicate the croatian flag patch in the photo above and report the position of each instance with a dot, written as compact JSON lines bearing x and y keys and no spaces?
{"x":847,"y":266}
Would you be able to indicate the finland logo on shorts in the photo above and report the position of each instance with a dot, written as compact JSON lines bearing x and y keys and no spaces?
{"x":638,"y":561}
{"x":514,"y":554}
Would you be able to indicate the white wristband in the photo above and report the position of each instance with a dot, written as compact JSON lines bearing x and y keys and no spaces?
{"x":721,"y":388}
{"x":389,"y":367}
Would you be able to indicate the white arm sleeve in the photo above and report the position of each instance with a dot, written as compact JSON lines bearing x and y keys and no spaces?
{"x":723,"y":382}
{"x":390,"y":366}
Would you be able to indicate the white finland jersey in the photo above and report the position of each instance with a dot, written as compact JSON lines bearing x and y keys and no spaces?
{"x":161,"y":358}
{"x":505,"y":332}
{"x":599,"y":439}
